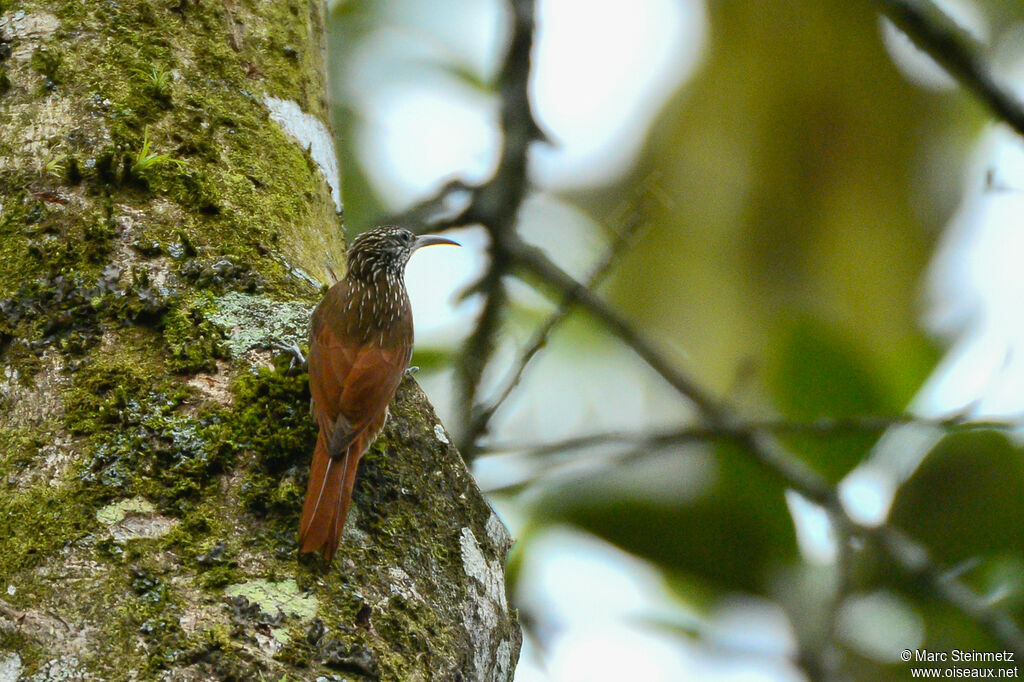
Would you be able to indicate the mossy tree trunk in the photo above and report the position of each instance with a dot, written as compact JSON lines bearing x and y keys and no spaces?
{"x":169,"y":206}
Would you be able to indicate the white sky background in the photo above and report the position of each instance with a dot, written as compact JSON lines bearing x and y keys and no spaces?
{"x":600,"y":75}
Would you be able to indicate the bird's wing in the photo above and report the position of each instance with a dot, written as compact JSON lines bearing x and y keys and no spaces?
{"x":363,"y":378}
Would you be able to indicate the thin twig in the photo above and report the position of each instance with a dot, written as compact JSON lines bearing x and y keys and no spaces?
{"x":826,"y":427}
{"x":496,"y":203}
{"x":483,"y":414}
{"x":430,"y":213}
{"x":902,"y":553}
{"x":537,"y":262}
{"x":915,"y":561}
{"x":961,"y":55}
{"x":763,"y":445}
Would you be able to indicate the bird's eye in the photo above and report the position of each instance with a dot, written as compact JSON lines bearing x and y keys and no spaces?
{"x":407,"y":237}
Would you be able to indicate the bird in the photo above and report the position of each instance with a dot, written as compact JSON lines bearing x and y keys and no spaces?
{"x":360,"y":344}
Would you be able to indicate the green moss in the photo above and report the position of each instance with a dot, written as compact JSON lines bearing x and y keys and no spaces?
{"x":199,"y":93}
{"x":220,"y":274}
{"x":51,"y":242}
{"x":146,"y":608}
{"x":246,"y":177}
{"x":44,"y":518}
{"x":271,"y":420}
{"x":205,"y":542}
{"x":47,"y":62}
{"x":121,"y":384}
{"x":218,"y":577}
{"x":297,"y":650}
{"x":193,"y":342}
{"x":245,"y":198}
{"x":157,"y":81}
{"x":27,"y":649}
{"x":72,"y":312}
{"x":18,"y":449}
{"x":270,"y":427}
{"x":203,"y":550}
{"x":127,"y":407}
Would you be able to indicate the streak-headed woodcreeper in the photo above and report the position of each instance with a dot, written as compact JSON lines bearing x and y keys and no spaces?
{"x":360,"y":343}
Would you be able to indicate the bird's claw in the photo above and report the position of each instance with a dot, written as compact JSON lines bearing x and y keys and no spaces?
{"x":292,"y":348}
{"x":412,"y":369}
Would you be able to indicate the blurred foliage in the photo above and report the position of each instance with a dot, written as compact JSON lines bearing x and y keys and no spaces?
{"x":816,"y":370}
{"x":965,"y":501}
{"x":807,"y":181}
{"x":793,"y":158}
{"x":726,"y":533}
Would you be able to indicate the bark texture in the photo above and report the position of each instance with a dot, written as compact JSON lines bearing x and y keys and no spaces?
{"x":168,"y":205}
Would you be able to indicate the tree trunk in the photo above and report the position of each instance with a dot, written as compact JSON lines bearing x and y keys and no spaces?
{"x":169,"y":207}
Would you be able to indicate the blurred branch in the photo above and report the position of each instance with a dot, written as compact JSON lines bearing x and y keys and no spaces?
{"x":768,"y":453}
{"x":482,"y":414}
{"x":494,"y":205}
{"x":434,"y":213}
{"x":825,"y":427}
{"x":960,"y":54}
{"x":537,"y":262}
{"x":915,"y":561}
{"x":908,"y":557}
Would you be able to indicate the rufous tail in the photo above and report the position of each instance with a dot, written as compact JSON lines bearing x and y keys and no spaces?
{"x":328,"y":497}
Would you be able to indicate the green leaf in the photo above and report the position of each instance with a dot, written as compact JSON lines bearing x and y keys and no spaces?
{"x":967,"y":498}
{"x":817,"y":372}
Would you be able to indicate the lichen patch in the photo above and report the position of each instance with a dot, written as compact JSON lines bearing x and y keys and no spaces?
{"x":135,"y":527}
{"x":283,"y":597}
{"x":134,"y":518}
{"x":34,"y":404}
{"x":198,"y":618}
{"x":63,"y":668}
{"x":271,"y":643}
{"x":489,"y":574}
{"x":58,"y":455}
{"x":118,"y":511}
{"x":440,"y":434}
{"x":47,"y":627}
{"x":499,"y":534}
{"x":40,"y":126}
{"x":51,"y":119}
{"x":133,"y":226}
{"x":485,"y":606}
{"x":10,"y":668}
{"x":402,"y":584}
{"x":256,"y":321}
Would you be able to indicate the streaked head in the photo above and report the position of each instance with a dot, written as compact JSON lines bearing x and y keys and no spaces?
{"x":386,"y":250}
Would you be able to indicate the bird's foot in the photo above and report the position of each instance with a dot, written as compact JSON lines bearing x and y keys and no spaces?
{"x":412,"y":369}
{"x":292,"y":348}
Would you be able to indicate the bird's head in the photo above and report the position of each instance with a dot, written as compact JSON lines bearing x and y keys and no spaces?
{"x":386,"y":250}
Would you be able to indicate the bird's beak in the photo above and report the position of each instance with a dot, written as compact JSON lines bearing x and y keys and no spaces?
{"x":431,"y":240}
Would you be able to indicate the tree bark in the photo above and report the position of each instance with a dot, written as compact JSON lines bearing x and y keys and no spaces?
{"x":170,"y":206}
